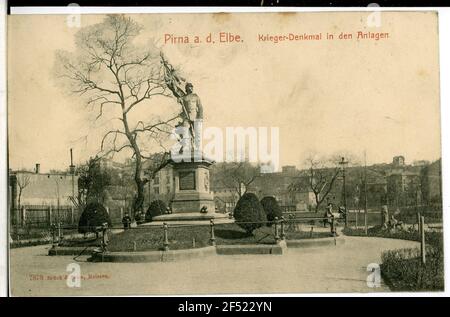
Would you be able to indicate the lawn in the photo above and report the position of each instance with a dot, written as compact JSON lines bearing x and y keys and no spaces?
{"x":186,"y":237}
{"x":150,"y":238}
{"x":378,"y":232}
{"x":81,"y":242}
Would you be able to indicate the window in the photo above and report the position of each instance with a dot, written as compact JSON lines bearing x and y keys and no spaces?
{"x":156,"y":190}
{"x":156,"y":180}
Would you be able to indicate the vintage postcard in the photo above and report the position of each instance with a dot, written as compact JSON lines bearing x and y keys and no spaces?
{"x":224,"y":153}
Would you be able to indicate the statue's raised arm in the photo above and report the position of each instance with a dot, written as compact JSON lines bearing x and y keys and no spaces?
{"x":173,"y":79}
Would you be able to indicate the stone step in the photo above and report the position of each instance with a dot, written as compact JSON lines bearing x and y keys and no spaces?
{"x":190,"y":218}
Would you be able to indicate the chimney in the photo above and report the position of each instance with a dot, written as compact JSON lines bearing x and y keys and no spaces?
{"x":38,"y":168}
{"x":72,"y":167}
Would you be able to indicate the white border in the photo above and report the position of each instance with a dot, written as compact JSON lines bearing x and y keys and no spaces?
{"x":3,"y":158}
{"x":444,"y":61}
{"x":137,"y":10}
{"x":444,"y":51}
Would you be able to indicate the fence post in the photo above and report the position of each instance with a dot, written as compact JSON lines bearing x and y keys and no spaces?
{"x":418,"y":223}
{"x":24,"y":216}
{"x":365,"y":222}
{"x":121,"y":213}
{"x":213,"y":238}
{"x":166,"y":237}
{"x":105,"y":239}
{"x":59,"y":232}
{"x":107,"y":209}
{"x":72,"y":216}
{"x":50,"y":215}
{"x":356,"y":220}
{"x":277,"y":234}
{"x":53,"y":236}
{"x":422,"y":239}
{"x":283,"y":233}
{"x":333,"y":227}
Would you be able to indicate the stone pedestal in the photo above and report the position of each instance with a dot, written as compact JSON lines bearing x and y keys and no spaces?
{"x":192,"y":191}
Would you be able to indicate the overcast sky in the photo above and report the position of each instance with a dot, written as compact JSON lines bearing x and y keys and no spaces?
{"x":326,"y":97}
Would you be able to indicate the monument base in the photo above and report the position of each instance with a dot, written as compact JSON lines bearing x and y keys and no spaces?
{"x":190,"y":218}
{"x":192,"y":192}
{"x":193,"y":202}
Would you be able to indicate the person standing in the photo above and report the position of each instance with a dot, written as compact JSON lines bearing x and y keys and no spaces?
{"x":329,"y":218}
{"x":126,"y":220}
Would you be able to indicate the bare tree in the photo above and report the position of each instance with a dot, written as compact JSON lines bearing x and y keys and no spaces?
{"x":321,"y":179}
{"x":23,"y":180}
{"x":237,"y":176}
{"x":116,"y":76}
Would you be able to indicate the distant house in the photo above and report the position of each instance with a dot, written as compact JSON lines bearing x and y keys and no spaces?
{"x":431,"y":182}
{"x":277,"y":185}
{"x":225,"y":198}
{"x":398,"y":161}
{"x":35,"y":188}
{"x":403,"y":183}
{"x":162,"y":185}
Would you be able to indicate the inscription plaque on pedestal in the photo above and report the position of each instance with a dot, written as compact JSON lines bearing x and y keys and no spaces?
{"x":187,"y":180}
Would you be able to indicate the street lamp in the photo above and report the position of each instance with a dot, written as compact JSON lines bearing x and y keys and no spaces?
{"x":344,"y":163}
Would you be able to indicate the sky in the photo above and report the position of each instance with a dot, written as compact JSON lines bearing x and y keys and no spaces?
{"x":326,"y":97}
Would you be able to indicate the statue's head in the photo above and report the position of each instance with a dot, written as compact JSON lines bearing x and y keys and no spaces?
{"x":189,"y":88}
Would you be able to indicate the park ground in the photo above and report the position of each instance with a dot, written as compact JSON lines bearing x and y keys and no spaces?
{"x":325,"y":269}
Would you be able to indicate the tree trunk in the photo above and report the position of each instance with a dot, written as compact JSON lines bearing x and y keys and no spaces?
{"x":317,"y":208}
{"x":19,"y":199}
{"x":138,"y":203}
{"x":318,"y":202}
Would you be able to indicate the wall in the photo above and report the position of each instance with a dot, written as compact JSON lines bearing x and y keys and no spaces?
{"x":45,"y":189}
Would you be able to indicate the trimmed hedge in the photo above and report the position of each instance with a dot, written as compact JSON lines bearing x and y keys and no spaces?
{"x":249,"y":213}
{"x":271,"y":208}
{"x":94,"y":215}
{"x":156,"y":208}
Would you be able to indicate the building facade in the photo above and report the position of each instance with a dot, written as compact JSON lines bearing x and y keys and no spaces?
{"x":35,"y":188}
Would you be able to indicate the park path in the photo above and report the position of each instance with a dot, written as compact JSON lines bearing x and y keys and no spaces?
{"x":341,"y":268}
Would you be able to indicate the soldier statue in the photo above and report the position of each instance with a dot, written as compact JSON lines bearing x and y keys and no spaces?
{"x":192,"y":109}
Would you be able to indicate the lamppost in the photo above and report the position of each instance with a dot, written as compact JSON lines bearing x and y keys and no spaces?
{"x":72,"y":172}
{"x":344,"y":163}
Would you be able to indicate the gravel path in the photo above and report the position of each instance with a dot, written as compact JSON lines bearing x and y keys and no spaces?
{"x":341,"y":268}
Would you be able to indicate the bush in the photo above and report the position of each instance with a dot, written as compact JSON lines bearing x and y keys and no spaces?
{"x":271,"y":208}
{"x":156,"y":208}
{"x":249,"y":209}
{"x":404,"y":271}
{"x":94,"y":215}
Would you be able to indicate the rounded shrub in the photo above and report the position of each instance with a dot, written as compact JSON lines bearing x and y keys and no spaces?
{"x":248,"y":213}
{"x":271,"y":208}
{"x":156,"y":208}
{"x":94,"y":215}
